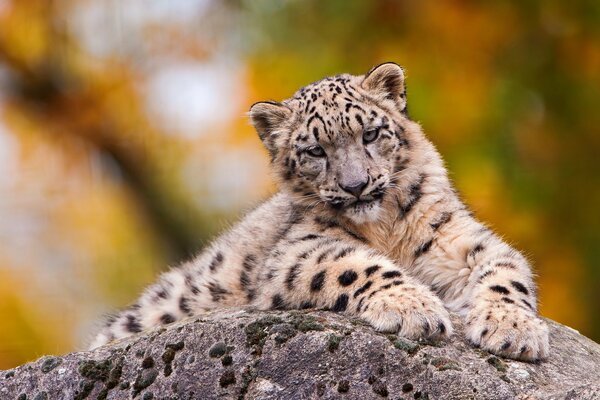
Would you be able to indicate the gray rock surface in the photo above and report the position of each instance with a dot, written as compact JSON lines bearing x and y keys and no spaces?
{"x":303,"y":355}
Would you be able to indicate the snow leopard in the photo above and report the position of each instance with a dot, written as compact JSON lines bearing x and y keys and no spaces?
{"x":365,"y":222}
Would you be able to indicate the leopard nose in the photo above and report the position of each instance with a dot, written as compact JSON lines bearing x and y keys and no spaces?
{"x":355,"y":188}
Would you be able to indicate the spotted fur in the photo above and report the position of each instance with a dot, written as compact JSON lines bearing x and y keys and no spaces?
{"x":366,"y":222}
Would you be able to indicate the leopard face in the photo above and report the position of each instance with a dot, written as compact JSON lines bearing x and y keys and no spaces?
{"x":338,"y":142}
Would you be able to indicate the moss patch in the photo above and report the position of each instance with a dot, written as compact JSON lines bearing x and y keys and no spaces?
{"x":176,"y":346}
{"x":359,"y":322}
{"x":227,"y":378}
{"x":404,"y":344}
{"x":306,"y":323}
{"x":217,"y":350}
{"x":167,"y":358}
{"x":169,"y":355}
{"x":106,"y":371}
{"x":431,"y":342}
{"x":84,"y":390}
{"x":256,"y":332}
{"x":143,"y":380}
{"x":226,"y":360}
{"x":444,"y":364}
{"x":343,"y":386}
{"x":421,"y":395}
{"x":148,"y":362}
{"x":284,"y":332}
{"x":50,"y":363}
{"x":114,"y":375}
{"x":407,"y":387}
{"x":333,"y":342}
{"x":321,"y":387}
{"x":95,"y":370}
{"x":497,"y":363}
{"x":378,"y":386}
{"x":248,"y":376}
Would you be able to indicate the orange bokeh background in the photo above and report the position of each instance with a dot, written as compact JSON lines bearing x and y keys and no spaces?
{"x":124,"y":145}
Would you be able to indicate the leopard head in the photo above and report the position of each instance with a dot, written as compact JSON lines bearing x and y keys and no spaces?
{"x":338,"y":142}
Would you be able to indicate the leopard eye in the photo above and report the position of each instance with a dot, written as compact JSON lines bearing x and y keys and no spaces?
{"x":370,"y":136}
{"x":316,"y":151}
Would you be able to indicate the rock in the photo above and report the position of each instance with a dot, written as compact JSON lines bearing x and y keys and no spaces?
{"x":303,"y":355}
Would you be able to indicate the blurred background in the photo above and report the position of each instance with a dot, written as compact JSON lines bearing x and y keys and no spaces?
{"x":124,"y":146}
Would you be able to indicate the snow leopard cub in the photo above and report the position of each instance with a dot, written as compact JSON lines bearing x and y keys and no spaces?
{"x":366,"y":222}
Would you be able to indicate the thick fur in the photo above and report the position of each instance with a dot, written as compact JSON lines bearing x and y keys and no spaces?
{"x":368,"y":227}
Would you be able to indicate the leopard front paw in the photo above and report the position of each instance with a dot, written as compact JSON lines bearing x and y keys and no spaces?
{"x":410,"y":311}
{"x":508,"y":331}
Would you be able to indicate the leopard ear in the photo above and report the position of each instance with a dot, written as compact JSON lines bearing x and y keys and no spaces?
{"x":268,"y":117}
{"x":386,"y":82}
